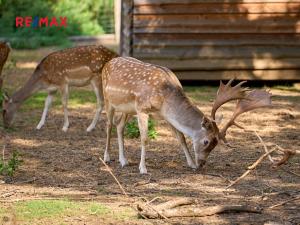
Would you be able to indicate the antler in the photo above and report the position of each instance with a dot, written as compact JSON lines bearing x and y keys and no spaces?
{"x":253,"y":100}
{"x":227,"y":93}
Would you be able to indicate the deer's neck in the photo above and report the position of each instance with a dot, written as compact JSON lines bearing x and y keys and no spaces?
{"x":31,"y":86}
{"x":182,"y":114}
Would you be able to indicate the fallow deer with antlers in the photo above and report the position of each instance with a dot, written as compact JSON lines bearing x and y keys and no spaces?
{"x":134,"y":87}
{"x":78,"y":66}
{"x":4,"y":52}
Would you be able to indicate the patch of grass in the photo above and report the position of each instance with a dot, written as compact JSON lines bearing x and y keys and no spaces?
{"x":50,"y":210}
{"x":287,"y":88}
{"x":201,"y":93}
{"x":132,"y":129}
{"x":38,"y":209}
{"x":97,"y":209}
{"x":2,"y":211}
{"x":77,"y":98}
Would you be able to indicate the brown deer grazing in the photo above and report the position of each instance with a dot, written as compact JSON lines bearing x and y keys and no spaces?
{"x":4,"y":52}
{"x":78,"y":66}
{"x":134,"y":87}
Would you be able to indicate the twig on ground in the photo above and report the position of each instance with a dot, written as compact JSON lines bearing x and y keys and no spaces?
{"x":250,"y":168}
{"x":115,"y":178}
{"x":217,"y":175}
{"x":288,"y":171}
{"x":283,"y":203}
{"x":287,"y":154}
{"x":265,"y":146}
{"x":143,"y":182}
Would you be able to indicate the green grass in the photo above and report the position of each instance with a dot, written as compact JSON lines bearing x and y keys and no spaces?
{"x":201,"y":93}
{"x":39,"y":209}
{"x":77,"y":98}
{"x":33,"y":211}
{"x":287,"y":88}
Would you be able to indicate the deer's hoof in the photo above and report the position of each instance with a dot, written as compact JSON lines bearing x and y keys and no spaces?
{"x":64,"y":129}
{"x":143,"y":170}
{"x":106,"y":158}
{"x":123,"y":162}
{"x":90,"y":128}
{"x":38,"y":127}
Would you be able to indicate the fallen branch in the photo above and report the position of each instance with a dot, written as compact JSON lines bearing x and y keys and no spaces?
{"x":174,"y":203}
{"x":283,"y":203}
{"x":250,"y":168}
{"x":287,"y":154}
{"x":169,"y":210}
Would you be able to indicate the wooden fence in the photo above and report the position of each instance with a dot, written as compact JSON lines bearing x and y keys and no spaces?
{"x":215,"y":39}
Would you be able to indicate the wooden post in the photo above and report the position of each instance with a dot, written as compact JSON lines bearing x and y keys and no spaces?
{"x":126,"y":28}
{"x":118,"y":12}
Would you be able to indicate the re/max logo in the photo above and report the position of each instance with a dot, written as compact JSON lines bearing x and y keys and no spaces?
{"x":41,"y":21}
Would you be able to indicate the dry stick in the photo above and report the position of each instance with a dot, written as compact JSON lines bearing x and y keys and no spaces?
{"x":111,"y":173}
{"x":250,"y":168}
{"x":271,"y":158}
{"x":202,"y":211}
{"x":286,"y":156}
{"x":283,"y":203}
{"x":265,"y":146}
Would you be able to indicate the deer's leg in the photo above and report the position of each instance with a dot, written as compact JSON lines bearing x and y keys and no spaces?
{"x":143,"y":127}
{"x":65,"y":98}
{"x":110,"y":114}
{"x":48,"y":102}
{"x":120,"y":131}
{"x":98,"y":91}
{"x":181,"y":139}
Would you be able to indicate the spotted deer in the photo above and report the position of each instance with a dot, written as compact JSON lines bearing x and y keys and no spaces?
{"x":134,"y":87}
{"x":4,"y":52}
{"x":78,"y":66}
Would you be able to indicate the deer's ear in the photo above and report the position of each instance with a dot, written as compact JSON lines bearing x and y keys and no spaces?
{"x":205,"y":122}
{"x":5,"y":96}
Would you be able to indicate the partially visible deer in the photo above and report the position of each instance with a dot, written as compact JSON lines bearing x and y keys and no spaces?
{"x":134,"y":87}
{"x":4,"y":52}
{"x":78,"y":66}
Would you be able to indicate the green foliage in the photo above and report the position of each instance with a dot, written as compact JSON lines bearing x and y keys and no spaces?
{"x":9,"y":168}
{"x":152,"y":133}
{"x":132,"y":129}
{"x":1,"y":100}
{"x":88,"y":17}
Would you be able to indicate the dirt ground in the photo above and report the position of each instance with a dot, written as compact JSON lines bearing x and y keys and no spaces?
{"x":66,"y":165}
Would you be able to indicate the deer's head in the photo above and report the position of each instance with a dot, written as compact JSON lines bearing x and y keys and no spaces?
{"x":8,"y":110}
{"x":211,"y":134}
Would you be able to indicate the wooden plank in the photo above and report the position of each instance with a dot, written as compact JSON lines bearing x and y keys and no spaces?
{"x":225,"y":8}
{"x":126,"y":28}
{"x":159,"y":2}
{"x":215,"y":19}
{"x":141,"y":42}
{"x":221,"y":52}
{"x":229,"y":64}
{"x":214,"y":37}
{"x":225,"y":28}
{"x":240,"y":75}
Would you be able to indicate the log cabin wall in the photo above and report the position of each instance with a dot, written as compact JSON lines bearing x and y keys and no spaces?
{"x":215,"y":39}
